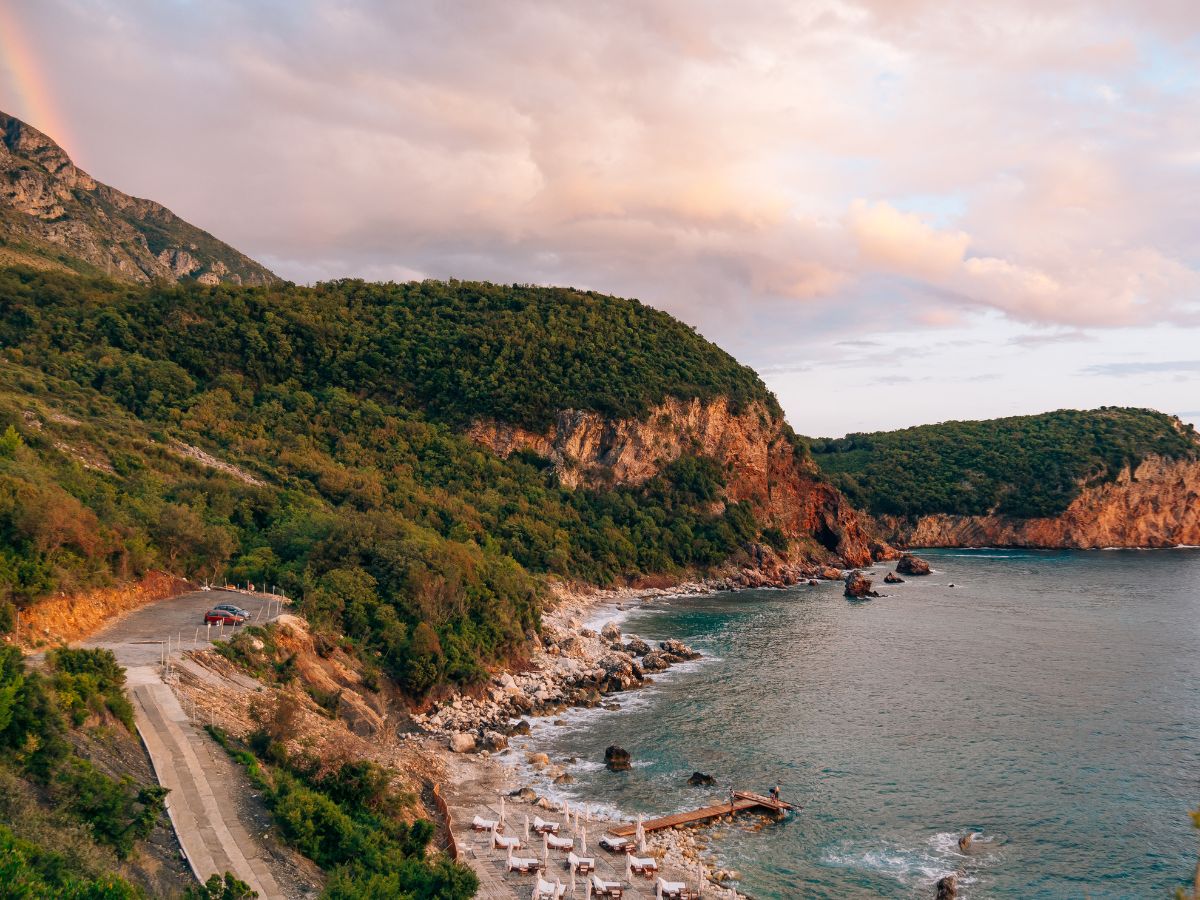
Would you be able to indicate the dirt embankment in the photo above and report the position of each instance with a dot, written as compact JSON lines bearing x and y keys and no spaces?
{"x":73,"y":617}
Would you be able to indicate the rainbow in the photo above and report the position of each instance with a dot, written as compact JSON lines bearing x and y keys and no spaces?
{"x":33,"y":101}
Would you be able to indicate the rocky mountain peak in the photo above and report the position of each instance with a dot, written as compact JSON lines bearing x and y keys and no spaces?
{"x":53,"y":215}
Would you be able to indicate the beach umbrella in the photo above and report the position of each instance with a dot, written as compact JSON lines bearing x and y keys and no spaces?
{"x":492,"y":831}
{"x":583,"y":839}
{"x":558,"y":887}
{"x":587,"y":813}
{"x":628,"y":865}
{"x":545,"y":855}
{"x":526,"y":827}
{"x":567,"y":811}
{"x":572,"y":868}
{"x":510,"y":857}
{"x":502,"y":810}
{"x":587,"y":893}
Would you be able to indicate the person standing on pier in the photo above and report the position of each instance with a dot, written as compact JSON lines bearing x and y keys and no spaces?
{"x":775,"y":793}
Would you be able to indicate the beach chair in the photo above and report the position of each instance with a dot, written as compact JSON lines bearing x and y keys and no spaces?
{"x":643,"y":865}
{"x":541,"y":826}
{"x":500,"y":842}
{"x":481,"y":824}
{"x":616,"y":844}
{"x":673,"y":890}
{"x":557,"y":843}
{"x":526,"y":865}
{"x":583,"y":865}
{"x":546,"y":890}
{"x":602,"y":888}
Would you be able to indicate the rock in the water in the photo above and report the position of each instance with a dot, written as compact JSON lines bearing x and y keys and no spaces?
{"x":678,"y":648}
{"x":947,"y":888}
{"x":908,"y":564}
{"x":637,"y":647}
{"x":617,"y":759}
{"x":537,"y":760}
{"x":655,"y":661}
{"x":858,"y":586}
{"x":461,"y":742}
{"x":519,"y":727}
{"x":964,"y":842}
{"x":610,"y":631}
{"x":564,"y":778}
{"x":494,"y":740}
{"x":892,"y":578}
{"x":526,"y":793}
{"x":699,"y":779}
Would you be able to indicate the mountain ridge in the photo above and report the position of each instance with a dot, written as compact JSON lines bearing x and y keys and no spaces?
{"x":53,"y":215}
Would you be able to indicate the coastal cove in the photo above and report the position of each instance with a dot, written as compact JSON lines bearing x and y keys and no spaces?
{"x":1044,"y":702}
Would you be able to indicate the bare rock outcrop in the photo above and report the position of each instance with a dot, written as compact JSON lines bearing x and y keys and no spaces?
{"x":1156,"y":504}
{"x":763,"y":464}
{"x":908,"y":564}
{"x":858,"y":586}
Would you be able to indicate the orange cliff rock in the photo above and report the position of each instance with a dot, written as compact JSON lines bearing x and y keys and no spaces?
{"x":1156,"y":505}
{"x":752,"y":445}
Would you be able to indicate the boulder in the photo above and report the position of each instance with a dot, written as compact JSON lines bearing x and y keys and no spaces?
{"x":637,"y":647}
{"x":947,"y":888}
{"x":617,"y":759}
{"x":892,"y":578}
{"x":908,"y":564}
{"x":699,"y":779}
{"x":620,"y":672}
{"x":494,"y":740}
{"x":655,"y":661}
{"x":537,"y":760}
{"x":858,"y":586}
{"x":564,"y":778}
{"x":518,"y":727}
{"x":829,"y":573}
{"x":610,"y":631}
{"x":462,"y":742}
{"x":964,"y":842}
{"x":678,"y":648}
{"x":526,"y":793}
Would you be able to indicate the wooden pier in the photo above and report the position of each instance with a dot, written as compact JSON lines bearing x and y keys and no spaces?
{"x":744,"y":801}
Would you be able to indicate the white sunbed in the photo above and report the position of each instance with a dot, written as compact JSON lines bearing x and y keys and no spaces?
{"x":583,"y":865}
{"x":672,"y":890}
{"x":481,"y":824}
{"x":643,"y":865}
{"x":541,"y":826}
{"x":616,"y":844}
{"x":500,"y":842}
{"x":602,"y":888}
{"x":547,"y":890}
{"x":524,"y":864}
{"x":557,"y":843}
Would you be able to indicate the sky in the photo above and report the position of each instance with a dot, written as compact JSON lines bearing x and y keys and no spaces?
{"x":897,"y":211}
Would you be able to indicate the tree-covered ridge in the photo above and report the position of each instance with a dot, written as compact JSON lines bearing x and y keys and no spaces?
{"x":456,"y":350}
{"x":1021,"y":466}
{"x":395,"y":529}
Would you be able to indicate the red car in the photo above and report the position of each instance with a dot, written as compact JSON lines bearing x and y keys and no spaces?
{"x":222,"y":617}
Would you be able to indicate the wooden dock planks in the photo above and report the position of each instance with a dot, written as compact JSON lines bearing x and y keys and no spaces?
{"x":743,"y":801}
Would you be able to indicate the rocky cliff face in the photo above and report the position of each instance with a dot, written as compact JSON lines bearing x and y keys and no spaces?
{"x":761,"y":465}
{"x":55,"y":215}
{"x":1155,"y":505}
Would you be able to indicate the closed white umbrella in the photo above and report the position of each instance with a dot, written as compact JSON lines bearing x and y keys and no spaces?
{"x":583,"y":839}
{"x":628,"y":865}
{"x":527,"y":827}
{"x":502,"y":810}
{"x":572,"y":868}
{"x":510,"y":857}
{"x":545,"y":855}
{"x":588,"y":890}
{"x":558,"y":887}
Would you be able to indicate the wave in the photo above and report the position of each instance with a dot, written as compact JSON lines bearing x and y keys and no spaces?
{"x":922,"y":864}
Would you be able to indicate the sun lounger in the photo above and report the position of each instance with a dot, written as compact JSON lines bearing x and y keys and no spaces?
{"x":616,"y":844}
{"x":583,"y":865}
{"x":643,"y":865}
{"x":524,"y":864}
{"x":500,"y":842}
{"x":543,"y":827}
{"x":557,"y":843}
{"x":481,"y":824}
{"x":602,"y":888}
{"x":673,"y":890}
{"x":546,"y":890}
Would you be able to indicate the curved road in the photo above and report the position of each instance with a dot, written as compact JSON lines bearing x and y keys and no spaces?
{"x":186,"y":761}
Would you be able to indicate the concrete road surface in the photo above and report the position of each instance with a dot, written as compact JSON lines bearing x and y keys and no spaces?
{"x":138,"y":639}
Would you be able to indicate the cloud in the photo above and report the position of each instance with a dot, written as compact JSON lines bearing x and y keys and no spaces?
{"x":1121,"y":369}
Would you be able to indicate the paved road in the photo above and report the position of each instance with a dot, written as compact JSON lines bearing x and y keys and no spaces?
{"x":138,"y":639}
{"x":186,"y":761}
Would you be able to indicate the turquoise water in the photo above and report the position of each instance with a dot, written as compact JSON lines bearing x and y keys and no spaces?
{"x":1048,"y":702}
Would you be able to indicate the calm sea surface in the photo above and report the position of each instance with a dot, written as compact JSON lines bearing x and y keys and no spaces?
{"x":1048,"y":701}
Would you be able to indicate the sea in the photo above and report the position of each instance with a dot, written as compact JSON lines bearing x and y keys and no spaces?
{"x":1046,"y":702}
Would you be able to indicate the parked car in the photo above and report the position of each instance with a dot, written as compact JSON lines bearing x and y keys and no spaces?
{"x":222,"y":617}
{"x":230,"y":608}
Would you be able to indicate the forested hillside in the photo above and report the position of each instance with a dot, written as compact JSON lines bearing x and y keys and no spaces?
{"x":335,"y":461}
{"x":1022,"y":466}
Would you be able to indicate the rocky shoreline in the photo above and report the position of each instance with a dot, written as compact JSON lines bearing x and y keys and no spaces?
{"x":575,"y":664}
